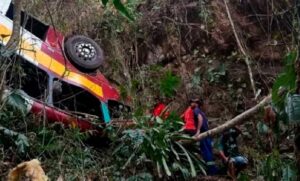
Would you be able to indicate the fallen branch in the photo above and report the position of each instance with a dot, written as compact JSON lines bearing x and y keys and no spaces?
{"x":241,"y":49}
{"x":241,"y":118}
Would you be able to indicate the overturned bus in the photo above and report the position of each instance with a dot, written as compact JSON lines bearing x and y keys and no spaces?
{"x":59,"y":77}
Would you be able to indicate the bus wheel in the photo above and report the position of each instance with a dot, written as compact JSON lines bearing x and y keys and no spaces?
{"x":84,"y":52}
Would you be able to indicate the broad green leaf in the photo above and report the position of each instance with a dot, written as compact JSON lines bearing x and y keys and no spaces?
{"x":222,"y":70}
{"x":286,"y":80}
{"x":185,"y":172}
{"x":192,"y":167}
{"x":175,"y":153}
{"x":199,"y":163}
{"x":20,"y":140}
{"x":262,"y":128}
{"x":166,"y":167}
{"x":158,"y":169}
{"x":16,"y":100}
{"x":292,"y":108}
{"x":288,"y":174}
{"x":122,"y":9}
{"x":158,"y":120}
{"x":156,"y":130}
{"x":22,"y":143}
{"x":148,"y":139}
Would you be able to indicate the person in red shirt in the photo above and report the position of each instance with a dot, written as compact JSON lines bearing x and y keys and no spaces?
{"x":189,"y":122}
{"x":195,"y":123}
{"x":161,"y":110}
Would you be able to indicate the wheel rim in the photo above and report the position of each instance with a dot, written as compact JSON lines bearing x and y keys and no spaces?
{"x":85,"y":51}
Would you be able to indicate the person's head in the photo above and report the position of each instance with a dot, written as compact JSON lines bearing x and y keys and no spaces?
{"x":196,"y":102}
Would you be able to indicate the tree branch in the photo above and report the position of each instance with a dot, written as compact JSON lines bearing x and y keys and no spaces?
{"x":241,"y":118}
{"x":241,"y":48}
{"x":15,"y":36}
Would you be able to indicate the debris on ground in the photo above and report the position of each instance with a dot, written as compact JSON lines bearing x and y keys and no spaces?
{"x":31,"y":170}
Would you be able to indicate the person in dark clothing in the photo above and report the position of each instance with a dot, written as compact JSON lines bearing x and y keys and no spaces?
{"x":201,"y":124}
{"x":229,"y":152}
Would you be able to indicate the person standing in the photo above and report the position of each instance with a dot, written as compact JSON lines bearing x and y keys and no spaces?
{"x":201,"y":124}
{"x":189,"y":127}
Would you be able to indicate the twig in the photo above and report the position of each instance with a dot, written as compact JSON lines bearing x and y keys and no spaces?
{"x":241,"y":49}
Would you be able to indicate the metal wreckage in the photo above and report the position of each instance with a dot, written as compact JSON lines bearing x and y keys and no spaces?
{"x":61,"y":77}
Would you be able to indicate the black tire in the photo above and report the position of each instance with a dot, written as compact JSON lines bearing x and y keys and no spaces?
{"x":84,"y":52}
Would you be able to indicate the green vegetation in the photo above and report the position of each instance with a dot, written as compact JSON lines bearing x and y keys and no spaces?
{"x":167,"y":50}
{"x":153,"y":146}
{"x":120,"y":7}
{"x":168,"y":84}
{"x":286,"y":81}
{"x":275,"y":168}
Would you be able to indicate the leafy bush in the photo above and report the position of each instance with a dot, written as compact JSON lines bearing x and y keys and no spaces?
{"x":156,"y":146}
{"x":274,"y":168}
{"x":120,"y":7}
{"x":168,"y":84}
{"x":216,"y":75}
{"x":20,"y":140}
{"x":286,"y":81}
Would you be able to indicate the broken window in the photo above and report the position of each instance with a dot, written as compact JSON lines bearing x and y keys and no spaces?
{"x":75,"y":99}
{"x":31,"y":24}
{"x":26,"y":76}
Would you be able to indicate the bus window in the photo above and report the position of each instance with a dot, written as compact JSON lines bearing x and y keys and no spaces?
{"x":75,"y":99}
{"x":31,"y":24}
{"x":31,"y":79}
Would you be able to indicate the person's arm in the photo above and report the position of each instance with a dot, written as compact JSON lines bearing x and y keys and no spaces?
{"x":200,"y":121}
{"x":237,"y":132}
{"x":220,"y":149}
{"x":182,"y":116}
{"x":238,"y":129}
{"x":223,"y":156}
{"x":270,"y":115}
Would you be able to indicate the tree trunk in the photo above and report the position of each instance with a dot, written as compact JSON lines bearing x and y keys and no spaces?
{"x":15,"y":36}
